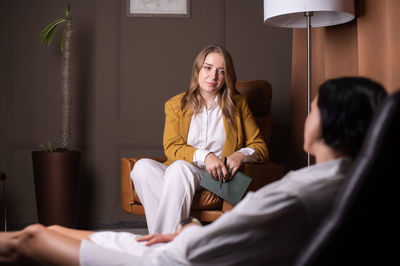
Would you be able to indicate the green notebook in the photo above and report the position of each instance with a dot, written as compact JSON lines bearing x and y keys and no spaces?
{"x":231,"y":191}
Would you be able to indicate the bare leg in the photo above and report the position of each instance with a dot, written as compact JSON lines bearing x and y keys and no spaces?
{"x":37,"y":244}
{"x":74,"y":233}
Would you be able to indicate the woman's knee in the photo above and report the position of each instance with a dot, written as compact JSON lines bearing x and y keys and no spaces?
{"x":28,"y":236}
{"x":55,"y":227}
{"x":140,"y":168}
{"x":24,"y":244}
{"x":181,"y":170}
{"x":179,"y":164}
{"x":34,"y":229}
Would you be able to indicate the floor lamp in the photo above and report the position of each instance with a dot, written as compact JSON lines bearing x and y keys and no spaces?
{"x":300,"y":14}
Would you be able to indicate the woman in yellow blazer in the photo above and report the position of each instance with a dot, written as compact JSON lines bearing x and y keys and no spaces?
{"x":204,"y":125}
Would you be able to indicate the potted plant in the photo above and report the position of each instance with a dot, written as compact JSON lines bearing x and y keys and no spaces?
{"x":56,"y":169}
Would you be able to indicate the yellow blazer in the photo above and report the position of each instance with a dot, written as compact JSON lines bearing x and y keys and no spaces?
{"x":177,"y":124}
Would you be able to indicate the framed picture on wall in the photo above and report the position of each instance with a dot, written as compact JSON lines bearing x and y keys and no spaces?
{"x":158,"y":8}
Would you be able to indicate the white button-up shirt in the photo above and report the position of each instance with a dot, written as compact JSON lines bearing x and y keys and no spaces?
{"x":207,"y":134}
{"x":268,"y":227}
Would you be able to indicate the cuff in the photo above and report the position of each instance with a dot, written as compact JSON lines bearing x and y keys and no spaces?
{"x":199,"y":156}
{"x":250,"y":155}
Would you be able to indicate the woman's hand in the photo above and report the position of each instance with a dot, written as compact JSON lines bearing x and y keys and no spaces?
{"x":157,"y":238}
{"x":216,"y":167}
{"x":163,"y":238}
{"x":234,"y":162}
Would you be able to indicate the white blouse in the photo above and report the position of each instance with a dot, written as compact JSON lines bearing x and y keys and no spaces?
{"x":268,"y":227}
{"x":207,"y":134}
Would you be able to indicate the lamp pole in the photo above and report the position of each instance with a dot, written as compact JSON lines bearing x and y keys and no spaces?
{"x":291,"y":14}
{"x":308,"y":16}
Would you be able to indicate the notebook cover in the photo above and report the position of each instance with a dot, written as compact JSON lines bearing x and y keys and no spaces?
{"x":231,"y":191}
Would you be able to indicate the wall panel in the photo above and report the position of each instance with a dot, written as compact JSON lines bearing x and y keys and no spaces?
{"x":124,"y":69}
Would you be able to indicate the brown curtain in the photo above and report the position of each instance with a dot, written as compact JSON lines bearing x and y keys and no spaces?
{"x":368,"y":46}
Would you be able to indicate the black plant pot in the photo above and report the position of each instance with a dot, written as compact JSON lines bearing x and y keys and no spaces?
{"x":56,"y":186}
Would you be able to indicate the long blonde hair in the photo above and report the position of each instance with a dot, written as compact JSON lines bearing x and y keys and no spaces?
{"x":192,"y":97}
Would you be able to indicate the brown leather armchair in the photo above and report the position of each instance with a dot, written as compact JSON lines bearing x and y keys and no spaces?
{"x":206,"y":206}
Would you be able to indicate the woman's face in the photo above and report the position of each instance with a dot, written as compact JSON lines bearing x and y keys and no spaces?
{"x":212,"y":74}
{"x":312,"y":128}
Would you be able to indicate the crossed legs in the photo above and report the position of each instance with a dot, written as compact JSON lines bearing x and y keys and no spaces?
{"x":165,"y":192}
{"x":40,"y":245}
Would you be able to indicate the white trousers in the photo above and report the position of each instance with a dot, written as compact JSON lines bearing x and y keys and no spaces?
{"x":166,"y":192}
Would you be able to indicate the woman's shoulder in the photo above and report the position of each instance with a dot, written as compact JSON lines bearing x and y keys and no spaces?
{"x":239,"y":99}
{"x":175,"y":101}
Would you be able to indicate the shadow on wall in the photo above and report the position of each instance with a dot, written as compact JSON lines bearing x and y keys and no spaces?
{"x":86,"y":193}
{"x":83,"y":84}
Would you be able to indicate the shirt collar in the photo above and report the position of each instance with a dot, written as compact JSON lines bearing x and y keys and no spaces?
{"x":214,"y":104}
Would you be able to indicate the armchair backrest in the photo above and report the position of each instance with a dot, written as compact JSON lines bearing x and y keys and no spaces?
{"x":259,"y":95}
{"x":360,"y":227}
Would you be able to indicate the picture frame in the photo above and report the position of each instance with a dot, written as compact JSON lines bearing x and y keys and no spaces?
{"x":158,"y":8}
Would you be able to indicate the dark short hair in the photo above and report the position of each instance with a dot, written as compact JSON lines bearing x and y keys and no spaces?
{"x":347,"y":106}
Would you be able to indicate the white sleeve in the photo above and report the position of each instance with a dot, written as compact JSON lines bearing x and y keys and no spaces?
{"x":250,"y":155}
{"x":260,"y":227}
{"x":199,"y":156}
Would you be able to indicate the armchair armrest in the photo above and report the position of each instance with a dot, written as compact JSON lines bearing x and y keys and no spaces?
{"x":127,"y":187}
{"x":263,"y":174}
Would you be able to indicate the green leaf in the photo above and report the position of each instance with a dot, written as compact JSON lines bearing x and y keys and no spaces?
{"x":47,"y":36}
{"x":42,"y":147}
{"x":52,"y":33}
{"x":50,"y":147}
{"x":45,"y":29}
{"x":68,"y":11}
{"x":48,"y":28}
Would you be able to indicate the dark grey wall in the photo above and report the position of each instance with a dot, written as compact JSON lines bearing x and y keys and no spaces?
{"x":124,"y":69}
